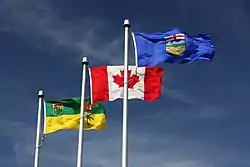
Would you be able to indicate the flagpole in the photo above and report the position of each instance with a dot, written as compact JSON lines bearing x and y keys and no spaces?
{"x":126,"y":26}
{"x":38,"y":128}
{"x":81,"y":129}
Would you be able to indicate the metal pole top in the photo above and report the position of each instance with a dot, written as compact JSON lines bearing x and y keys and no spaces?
{"x":84,"y":60}
{"x":40,"y":94}
{"x":126,"y":23}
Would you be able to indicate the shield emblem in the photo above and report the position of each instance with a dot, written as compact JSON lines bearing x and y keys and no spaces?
{"x":57,"y":109}
{"x":176,"y":44}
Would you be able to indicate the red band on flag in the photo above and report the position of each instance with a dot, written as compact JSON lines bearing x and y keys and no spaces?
{"x":152,"y":83}
{"x":100,"y":88}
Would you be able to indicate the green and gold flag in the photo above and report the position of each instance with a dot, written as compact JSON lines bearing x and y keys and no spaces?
{"x":65,"y":114}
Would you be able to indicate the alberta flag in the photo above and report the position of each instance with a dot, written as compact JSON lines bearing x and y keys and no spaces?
{"x":143,"y":83}
{"x":173,"y":46}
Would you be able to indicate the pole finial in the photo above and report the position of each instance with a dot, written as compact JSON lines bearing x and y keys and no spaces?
{"x":126,"y":23}
{"x":84,"y":60}
{"x":40,"y":94}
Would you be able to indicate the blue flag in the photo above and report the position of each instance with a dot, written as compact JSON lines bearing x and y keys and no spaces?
{"x":173,"y":46}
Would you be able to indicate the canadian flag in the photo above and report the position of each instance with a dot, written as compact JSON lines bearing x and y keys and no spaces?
{"x":107,"y":83}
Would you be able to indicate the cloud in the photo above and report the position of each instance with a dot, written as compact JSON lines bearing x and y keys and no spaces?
{"x":43,"y":28}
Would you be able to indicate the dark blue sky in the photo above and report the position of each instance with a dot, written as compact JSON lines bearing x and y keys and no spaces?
{"x":201,"y":120}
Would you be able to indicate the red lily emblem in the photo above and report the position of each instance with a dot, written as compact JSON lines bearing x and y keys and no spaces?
{"x":88,"y":106}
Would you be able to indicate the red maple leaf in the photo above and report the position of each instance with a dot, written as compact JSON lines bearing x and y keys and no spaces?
{"x":132,"y":80}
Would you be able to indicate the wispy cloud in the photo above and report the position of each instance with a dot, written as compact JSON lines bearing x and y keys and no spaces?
{"x":43,"y":27}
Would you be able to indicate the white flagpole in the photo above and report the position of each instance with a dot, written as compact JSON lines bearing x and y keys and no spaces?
{"x":38,"y":128}
{"x":126,"y":26}
{"x":81,"y":130}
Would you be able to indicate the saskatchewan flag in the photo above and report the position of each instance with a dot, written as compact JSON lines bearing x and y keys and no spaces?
{"x":65,"y":114}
